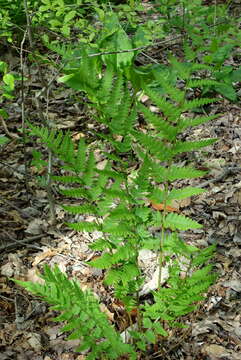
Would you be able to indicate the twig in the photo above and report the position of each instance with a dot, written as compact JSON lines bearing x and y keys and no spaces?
{"x":150,"y":58}
{"x":20,"y":242}
{"x":44,"y":118}
{"x":133,"y":49}
{"x":7,"y":132}
{"x":26,"y":177}
{"x":16,"y":208}
{"x":227,"y":171}
{"x":173,"y":347}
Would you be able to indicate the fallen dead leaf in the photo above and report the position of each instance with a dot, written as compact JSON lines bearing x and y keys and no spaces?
{"x":34,"y":341}
{"x":161,"y":207}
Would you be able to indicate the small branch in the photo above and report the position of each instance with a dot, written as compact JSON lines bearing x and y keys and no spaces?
{"x":7,"y":132}
{"x":44,"y":117}
{"x":17,"y":243}
{"x":133,"y":49}
{"x":16,"y":208}
{"x":227,"y":171}
{"x":26,"y":177}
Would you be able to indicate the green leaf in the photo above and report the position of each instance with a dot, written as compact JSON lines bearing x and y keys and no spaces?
{"x":85,"y":226}
{"x":178,"y":194}
{"x":236,"y":75}
{"x":149,"y":334}
{"x":176,"y":173}
{"x":81,"y":312}
{"x":3,"y":140}
{"x":147,"y":323}
{"x":3,"y":67}
{"x":69,"y":16}
{"x":103,"y":262}
{"x":65,"y":29}
{"x":180,"y":222}
{"x":80,"y":209}
{"x":159,"y":329}
{"x":186,"y":146}
{"x":123,"y":43}
{"x":9,"y":80}
{"x":227,"y":91}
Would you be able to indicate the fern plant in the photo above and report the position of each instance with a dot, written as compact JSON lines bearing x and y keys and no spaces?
{"x":81,"y":311}
{"x":117,"y":198}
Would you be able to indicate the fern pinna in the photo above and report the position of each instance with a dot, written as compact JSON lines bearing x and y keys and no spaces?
{"x":117,"y":197}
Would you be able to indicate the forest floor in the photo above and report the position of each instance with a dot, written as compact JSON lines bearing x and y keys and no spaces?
{"x":28,"y":239}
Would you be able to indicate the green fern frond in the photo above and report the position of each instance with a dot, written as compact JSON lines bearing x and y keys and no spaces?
{"x":198,"y":66}
{"x":187,"y":146}
{"x":174,"y":93}
{"x":154,"y":145}
{"x":61,"y":145}
{"x":112,"y":106}
{"x":64,"y":50}
{"x":180,"y":222}
{"x":192,"y":104}
{"x":117,"y":125}
{"x":87,"y":69}
{"x":113,"y":277}
{"x":175,"y":173}
{"x":105,"y":204}
{"x":106,"y":86}
{"x":158,"y":196}
{"x":171,"y":112}
{"x":112,"y":174}
{"x":80,"y":209}
{"x":178,"y":194}
{"x":41,"y":132}
{"x":130,"y":121}
{"x":123,"y":253}
{"x":194,"y":83}
{"x":183,"y":69}
{"x":101,"y":245}
{"x":188,"y":51}
{"x":76,"y":193}
{"x":116,"y":194}
{"x":85,"y":226}
{"x":114,"y":157}
{"x":66,"y":149}
{"x":81,"y":156}
{"x":82,"y":313}
{"x":122,"y":213}
{"x":102,"y":262}
{"x":88,"y":175}
{"x":167,"y":131}
{"x":203,"y":256}
{"x":120,"y":229}
{"x":99,"y":184}
{"x":185,"y":123}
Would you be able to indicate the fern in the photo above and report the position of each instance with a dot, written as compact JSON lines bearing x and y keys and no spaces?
{"x":192,"y":104}
{"x":85,"y":226}
{"x":180,"y":222}
{"x":186,"y":146}
{"x":117,"y":196}
{"x":165,"y":129}
{"x":185,"y":123}
{"x":81,"y":311}
{"x":170,"y":111}
{"x":183,"y":193}
{"x":80,"y":209}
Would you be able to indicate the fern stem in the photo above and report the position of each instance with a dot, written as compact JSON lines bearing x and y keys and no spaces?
{"x":49,"y":188}
{"x":163,"y":232}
